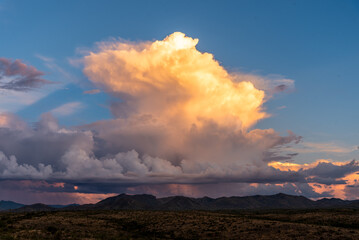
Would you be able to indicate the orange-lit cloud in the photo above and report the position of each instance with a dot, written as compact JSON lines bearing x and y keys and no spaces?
{"x":337,"y":190}
{"x":3,"y":120}
{"x":179,"y":109}
{"x":287,"y":166}
{"x":8,"y":120}
{"x":173,"y":80}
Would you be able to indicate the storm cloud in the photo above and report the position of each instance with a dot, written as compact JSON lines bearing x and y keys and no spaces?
{"x":181,"y":121}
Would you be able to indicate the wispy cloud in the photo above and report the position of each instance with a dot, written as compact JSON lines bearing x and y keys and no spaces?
{"x":322,"y":147}
{"x":11,"y":101}
{"x":67,"y":109}
{"x":18,"y":76}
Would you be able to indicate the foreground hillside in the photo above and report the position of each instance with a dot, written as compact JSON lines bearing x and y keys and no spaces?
{"x":130,"y":224}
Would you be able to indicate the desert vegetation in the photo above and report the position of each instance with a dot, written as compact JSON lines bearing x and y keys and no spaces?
{"x":135,"y":224}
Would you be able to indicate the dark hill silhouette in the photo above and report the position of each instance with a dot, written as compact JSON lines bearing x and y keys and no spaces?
{"x":277,"y":201}
{"x":328,"y":202}
{"x":124,"y":201}
{"x":38,"y":207}
{"x":149,"y":202}
{"x":180,"y":203}
{"x":9,"y":205}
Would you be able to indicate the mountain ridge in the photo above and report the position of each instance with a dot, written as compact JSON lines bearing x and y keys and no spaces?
{"x":173,"y":203}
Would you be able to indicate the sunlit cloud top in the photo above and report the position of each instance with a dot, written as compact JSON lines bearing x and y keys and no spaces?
{"x":171,"y":78}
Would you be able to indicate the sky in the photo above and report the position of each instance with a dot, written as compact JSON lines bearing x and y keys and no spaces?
{"x":194,"y":98}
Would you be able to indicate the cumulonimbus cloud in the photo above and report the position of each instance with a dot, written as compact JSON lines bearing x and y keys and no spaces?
{"x":181,"y":119}
{"x":174,"y":81}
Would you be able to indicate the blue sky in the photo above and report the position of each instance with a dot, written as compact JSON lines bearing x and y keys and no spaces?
{"x":315,"y":43}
